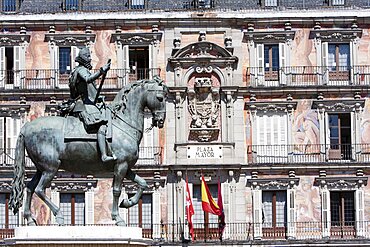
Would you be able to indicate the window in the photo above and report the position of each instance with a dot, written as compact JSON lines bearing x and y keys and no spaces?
{"x":271,"y":55}
{"x":65,"y":60}
{"x":71,"y":5}
{"x":72,"y":205}
{"x":342,"y":208}
{"x":140,"y":215}
{"x":137,"y":4}
{"x":272,"y":137}
{"x":269,"y":3}
{"x":337,"y":2}
{"x":9,"y":130}
{"x":338,"y":57}
{"x":9,"y":5}
{"x":274,"y":213}
{"x":7,"y":218}
{"x":340,"y":136}
{"x":139,"y":63}
{"x":149,"y":153}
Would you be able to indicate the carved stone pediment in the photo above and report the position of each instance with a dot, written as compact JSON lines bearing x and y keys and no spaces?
{"x":73,"y":185}
{"x":203,"y":52}
{"x":70,"y":39}
{"x":14,"y":39}
{"x":341,"y":183}
{"x":273,"y":183}
{"x":269,"y":36}
{"x":339,"y":105}
{"x":273,"y":106}
{"x":136,"y":38}
{"x":336,"y":34}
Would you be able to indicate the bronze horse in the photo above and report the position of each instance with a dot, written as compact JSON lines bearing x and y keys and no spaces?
{"x":43,"y":139}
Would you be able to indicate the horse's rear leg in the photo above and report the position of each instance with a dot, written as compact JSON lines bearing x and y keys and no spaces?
{"x":29,"y":192}
{"x":45,"y":180}
{"x":126,"y":203}
{"x":119,"y":175}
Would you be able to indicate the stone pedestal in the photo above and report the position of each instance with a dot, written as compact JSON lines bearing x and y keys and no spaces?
{"x":76,"y":236}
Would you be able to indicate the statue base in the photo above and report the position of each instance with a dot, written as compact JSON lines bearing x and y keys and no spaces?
{"x":76,"y":236}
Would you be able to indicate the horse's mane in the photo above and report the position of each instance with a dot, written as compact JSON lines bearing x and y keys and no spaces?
{"x":120,"y":100}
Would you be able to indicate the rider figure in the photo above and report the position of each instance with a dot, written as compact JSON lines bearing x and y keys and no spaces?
{"x":83,"y":91}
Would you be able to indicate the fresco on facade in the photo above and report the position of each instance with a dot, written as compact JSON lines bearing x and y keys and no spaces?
{"x":103,"y":199}
{"x":103,"y":50}
{"x":41,"y":211}
{"x":303,"y":51}
{"x":37,"y":53}
{"x":305,"y":129}
{"x":367,"y":202}
{"x":37,"y":110}
{"x":363,"y":57}
{"x":308,"y":201}
{"x":365,"y":123}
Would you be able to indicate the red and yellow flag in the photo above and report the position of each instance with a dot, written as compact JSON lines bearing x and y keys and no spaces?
{"x":208,"y":203}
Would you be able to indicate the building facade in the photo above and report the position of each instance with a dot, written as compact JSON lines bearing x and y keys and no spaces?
{"x":269,"y":97}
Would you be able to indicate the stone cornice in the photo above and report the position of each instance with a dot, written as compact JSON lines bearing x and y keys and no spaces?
{"x":272,"y":183}
{"x":343,"y":105}
{"x":349,"y":183}
{"x":14,"y":39}
{"x":136,"y":38}
{"x":70,"y":39}
{"x":272,"y":106}
{"x":13,"y":110}
{"x":336,"y":34}
{"x":269,"y":36}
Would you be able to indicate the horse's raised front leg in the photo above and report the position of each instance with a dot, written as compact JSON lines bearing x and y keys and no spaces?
{"x":126,"y":203}
{"x":119,"y":174}
{"x":45,"y":180}
{"x":30,"y":219}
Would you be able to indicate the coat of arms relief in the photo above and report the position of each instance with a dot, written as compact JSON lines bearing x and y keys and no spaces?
{"x":204,"y":108}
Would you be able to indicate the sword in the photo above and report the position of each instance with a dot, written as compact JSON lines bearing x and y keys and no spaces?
{"x":101,"y":85}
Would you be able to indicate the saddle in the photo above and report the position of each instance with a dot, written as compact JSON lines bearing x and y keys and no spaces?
{"x":74,"y":129}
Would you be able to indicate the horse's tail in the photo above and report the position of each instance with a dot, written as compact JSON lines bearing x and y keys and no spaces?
{"x":16,"y":197}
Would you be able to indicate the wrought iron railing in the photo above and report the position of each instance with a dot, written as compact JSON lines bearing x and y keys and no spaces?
{"x":147,"y":156}
{"x":245,"y":231}
{"x":43,"y":79}
{"x":308,"y":76}
{"x":308,"y":153}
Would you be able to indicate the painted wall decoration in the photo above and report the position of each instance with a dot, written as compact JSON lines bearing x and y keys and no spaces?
{"x":103,"y":202}
{"x":308,"y":201}
{"x":305,"y":129}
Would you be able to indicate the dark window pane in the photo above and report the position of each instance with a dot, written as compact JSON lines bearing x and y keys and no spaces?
{"x":9,"y":5}
{"x":64,"y":60}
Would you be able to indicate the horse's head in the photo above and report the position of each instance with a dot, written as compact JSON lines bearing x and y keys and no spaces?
{"x":156,"y":101}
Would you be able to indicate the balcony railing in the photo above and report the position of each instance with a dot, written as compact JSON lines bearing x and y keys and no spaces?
{"x":147,"y":156}
{"x":310,"y":153}
{"x":247,"y":232}
{"x":308,"y":76}
{"x":41,"y":79}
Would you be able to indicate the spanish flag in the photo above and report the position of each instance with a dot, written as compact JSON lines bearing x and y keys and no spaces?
{"x":208,"y":203}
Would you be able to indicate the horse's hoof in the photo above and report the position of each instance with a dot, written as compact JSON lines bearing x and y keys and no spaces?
{"x":121,"y":223}
{"x":126,"y":203}
{"x":59,"y":218}
{"x":32,"y":223}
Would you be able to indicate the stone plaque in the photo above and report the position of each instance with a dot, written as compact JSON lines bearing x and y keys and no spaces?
{"x":204,"y":152}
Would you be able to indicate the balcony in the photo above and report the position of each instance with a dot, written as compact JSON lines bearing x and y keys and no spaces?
{"x":309,"y":76}
{"x":247,"y":232}
{"x":148,"y":156}
{"x":311,"y":153}
{"x":49,"y":79}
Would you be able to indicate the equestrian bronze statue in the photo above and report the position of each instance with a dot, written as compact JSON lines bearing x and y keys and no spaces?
{"x":69,"y":142}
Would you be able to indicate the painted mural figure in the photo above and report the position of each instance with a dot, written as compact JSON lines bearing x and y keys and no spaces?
{"x":89,"y":105}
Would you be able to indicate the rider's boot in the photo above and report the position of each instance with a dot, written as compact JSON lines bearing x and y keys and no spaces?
{"x":103,"y":145}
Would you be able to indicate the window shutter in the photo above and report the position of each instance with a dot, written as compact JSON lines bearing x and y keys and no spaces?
{"x":17,"y":65}
{"x":325,"y":62}
{"x":354,"y":134}
{"x":282,"y":63}
{"x":74,"y":53}
{"x":54,"y":197}
{"x":13,"y":126}
{"x":360,"y":224}
{"x":147,"y":143}
{"x":325,"y":207}
{"x":260,"y":65}
{"x":225,"y":190}
{"x":2,"y":66}
{"x":89,"y":207}
{"x":126,"y":62}
{"x":120,"y":70}
{"x":291,"y":213}
{"x":2,"y":137}
{"x":156,"y":214}
{"x":54,"y":57}
{"x":257,"y":213}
